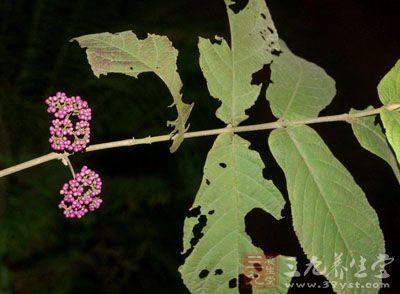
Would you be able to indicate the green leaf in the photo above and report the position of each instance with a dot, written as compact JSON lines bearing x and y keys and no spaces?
{"x":125,"y":53}
{"x":391,"y":122}
{"x":331,"y":214}
{"x":299,"y":88}
{"x":228,"y":69}
{"x":371,"y":137}
{"x":389,"y":86}
{"x":232,"y":186}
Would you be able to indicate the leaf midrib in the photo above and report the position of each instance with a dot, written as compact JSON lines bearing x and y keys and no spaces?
{"x":310,"y":169}
{"x":294,"y":94}
{"x":232,"y":47}
{"x":234,"y":163}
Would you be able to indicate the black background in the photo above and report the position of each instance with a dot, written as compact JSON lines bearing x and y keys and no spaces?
{"x":132,"y":244}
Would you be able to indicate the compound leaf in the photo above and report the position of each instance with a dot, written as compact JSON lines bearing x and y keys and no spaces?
{"x":232,"y":186}
{"x":299,"y":88}
{"x":125,"y":53}
{"x":371,"y":137}
{"x":389,"y":86}
{"x":228,"y":69}
{"x":391,"y":122}
{"x":331,"y":215}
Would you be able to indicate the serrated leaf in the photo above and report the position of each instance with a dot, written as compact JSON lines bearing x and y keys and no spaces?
{"x":371,"y":137}
{"x":391,"y":123}
{"x":125,"y":53}
{"x":232,"y":186}
{"x":331,"y":214}
{"x":299,"y":88}
{"x":389,"y":86}
{"x":228,"y":69}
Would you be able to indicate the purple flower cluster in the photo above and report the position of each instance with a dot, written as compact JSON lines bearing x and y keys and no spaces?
{"x":70,"y":130}
{"x":81,"y":194}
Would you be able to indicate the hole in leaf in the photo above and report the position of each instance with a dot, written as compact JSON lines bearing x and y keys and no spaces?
{"x":248,"y":290}
{"x":263,"y":34}
{"x":263,"y":16}
{"x":194,"y":212}
{"x":218,"y":272}
{"x":238,"y":5}
{"x":197,"y":230}
{"x":271,"y":30}
{"x":211,"y":212}
{"x":276,"y":52}
{"x":216,"y":40}
{"x":207,"y":181}
{"x":232,"y":283}
{"x":245,"y":284}
{"x":262,"y":76}
{"x":131,"y":68}
{"x":222,"y":164}
{"x":204,"y":273}
{"x":258,"y":267}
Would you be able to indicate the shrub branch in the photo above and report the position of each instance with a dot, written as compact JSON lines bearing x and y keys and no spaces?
{"x":347,"y":117}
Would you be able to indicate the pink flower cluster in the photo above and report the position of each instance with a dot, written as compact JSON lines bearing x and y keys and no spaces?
{"x":81,"y":194}
{"x":70,"y":130}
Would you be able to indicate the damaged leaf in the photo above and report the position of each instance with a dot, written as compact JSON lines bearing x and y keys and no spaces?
{"x":125,"y":53}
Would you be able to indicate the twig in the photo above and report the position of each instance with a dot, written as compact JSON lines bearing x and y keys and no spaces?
{"x":66,"y":161}
{"x":149,"y":140}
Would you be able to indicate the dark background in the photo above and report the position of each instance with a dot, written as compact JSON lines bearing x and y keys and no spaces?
{"x":132,"y":244}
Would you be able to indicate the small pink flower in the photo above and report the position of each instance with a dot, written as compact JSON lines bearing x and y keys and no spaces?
{"x":70,"y":130}
{"x":81,"y":194}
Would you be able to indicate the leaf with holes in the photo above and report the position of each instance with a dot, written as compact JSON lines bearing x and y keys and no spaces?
{"x":371,"y":137}
{"x":229,"y":69}
{"x":232,"y":186}
{"x":125,"y":53}
{"x":389,"y":86}
{"x":331,"y":216}
{"x":391,"y":122}
{"x":299,"y":88}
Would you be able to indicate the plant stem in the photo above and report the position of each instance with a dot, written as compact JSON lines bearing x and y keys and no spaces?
{"x":66,"y":161}
{"x":149,"y":140}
